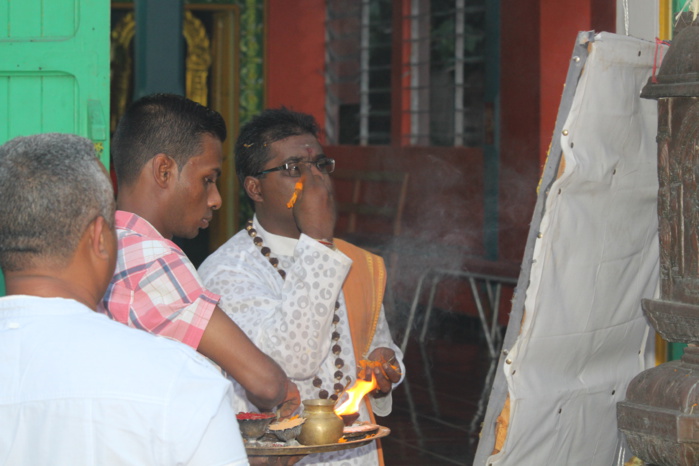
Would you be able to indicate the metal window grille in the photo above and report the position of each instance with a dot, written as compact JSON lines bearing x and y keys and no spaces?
{"x":358,"y":71}
{"x":446,"y":72}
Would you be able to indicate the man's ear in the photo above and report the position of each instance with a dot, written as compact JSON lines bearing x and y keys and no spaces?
{"x":253,"y":187}
{"x":99,"y":242}
{"x":164,"y":169}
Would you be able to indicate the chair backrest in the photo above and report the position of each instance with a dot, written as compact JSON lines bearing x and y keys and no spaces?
{"x":366,"y":186}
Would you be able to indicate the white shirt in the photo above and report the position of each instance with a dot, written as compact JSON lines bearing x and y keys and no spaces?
{"x":291,"y":319}
{"x":79,"y":389}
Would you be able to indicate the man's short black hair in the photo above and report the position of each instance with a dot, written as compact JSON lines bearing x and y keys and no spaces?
{"x":161,"y":123}
{"x":272,"y":125}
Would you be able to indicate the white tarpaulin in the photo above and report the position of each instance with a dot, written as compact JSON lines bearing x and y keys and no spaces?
{"x":582,"y":336}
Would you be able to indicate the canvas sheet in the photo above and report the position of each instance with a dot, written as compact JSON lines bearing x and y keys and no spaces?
{"x":583,"y":336}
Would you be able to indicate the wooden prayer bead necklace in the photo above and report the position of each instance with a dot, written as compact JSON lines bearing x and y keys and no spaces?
{"x":338,"y":387}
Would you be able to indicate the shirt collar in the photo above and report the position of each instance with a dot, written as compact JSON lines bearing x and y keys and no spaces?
{"x":130,"y":221}
{"x":14,"y":305}
{"x":280,"y":245}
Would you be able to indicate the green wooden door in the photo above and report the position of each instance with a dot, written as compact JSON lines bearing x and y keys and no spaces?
{"x":54,"y":70}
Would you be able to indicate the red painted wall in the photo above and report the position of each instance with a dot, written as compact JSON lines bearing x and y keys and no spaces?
{"x":520,"y":115}
{"x":442,"y":219}
{"x":295,"y":50}
{"x":560,"y":23}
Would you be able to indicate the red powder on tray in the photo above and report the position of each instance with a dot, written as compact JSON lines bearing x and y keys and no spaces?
{"x":248,"y":416}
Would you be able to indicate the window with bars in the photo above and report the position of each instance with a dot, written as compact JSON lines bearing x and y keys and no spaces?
{"x":440,"y":43}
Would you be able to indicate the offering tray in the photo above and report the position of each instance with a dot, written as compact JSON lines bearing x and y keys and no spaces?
{"x":280,"y":449}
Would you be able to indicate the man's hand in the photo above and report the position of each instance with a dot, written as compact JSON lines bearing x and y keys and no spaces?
{"x":314,"y":212}
{"x":291,"y":402}
{"x":382,"y":363}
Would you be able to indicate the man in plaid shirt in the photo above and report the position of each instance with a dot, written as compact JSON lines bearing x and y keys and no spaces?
{"x":167,"y":155}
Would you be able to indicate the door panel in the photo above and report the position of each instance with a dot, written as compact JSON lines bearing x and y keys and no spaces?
{"x":38,"y":96}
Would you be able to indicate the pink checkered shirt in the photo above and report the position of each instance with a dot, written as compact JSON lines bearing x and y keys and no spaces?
{"x":155,"y":287}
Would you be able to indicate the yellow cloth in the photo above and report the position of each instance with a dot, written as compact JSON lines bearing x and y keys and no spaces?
{"x":363,"y":289}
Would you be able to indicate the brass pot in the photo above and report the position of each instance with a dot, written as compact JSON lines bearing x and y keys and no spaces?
{"x":322,"y":425}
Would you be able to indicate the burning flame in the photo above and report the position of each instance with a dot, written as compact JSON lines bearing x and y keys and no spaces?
{"x":355,"y":394}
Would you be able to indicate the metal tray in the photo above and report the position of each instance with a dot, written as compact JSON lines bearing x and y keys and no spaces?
{"x":265,"y":450}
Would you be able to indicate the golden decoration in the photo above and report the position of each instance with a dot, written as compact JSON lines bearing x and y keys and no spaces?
{"x":198,"y":58}
{"x":121,"y":67}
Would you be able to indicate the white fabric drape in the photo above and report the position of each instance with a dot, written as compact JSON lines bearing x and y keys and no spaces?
{"x":583,"y":335}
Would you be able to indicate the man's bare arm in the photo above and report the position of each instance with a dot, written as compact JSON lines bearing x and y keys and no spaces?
{"x":227,"y":345}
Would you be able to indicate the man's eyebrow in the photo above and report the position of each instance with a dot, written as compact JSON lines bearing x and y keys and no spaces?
{"x":218,"y":172}
{"x":300,"y":158}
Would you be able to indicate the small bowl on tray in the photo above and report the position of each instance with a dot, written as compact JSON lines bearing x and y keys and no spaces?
{"x":254,"y":425}
{"x":348,"y":419}
{"x":359,"y":431}
{"x":287,"y":429}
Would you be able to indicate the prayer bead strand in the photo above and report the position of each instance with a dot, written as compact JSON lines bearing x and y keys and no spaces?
{"x":338,"y":387}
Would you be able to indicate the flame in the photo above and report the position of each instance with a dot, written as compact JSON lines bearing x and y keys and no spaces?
{"x":355,"y":394}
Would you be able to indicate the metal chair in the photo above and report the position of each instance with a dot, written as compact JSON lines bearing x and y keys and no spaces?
{"x":492,"y":284}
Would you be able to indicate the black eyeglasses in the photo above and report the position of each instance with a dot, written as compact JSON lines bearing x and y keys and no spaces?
{"x":293,"y":169}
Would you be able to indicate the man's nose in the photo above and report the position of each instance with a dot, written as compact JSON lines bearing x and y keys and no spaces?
{"x":215,"y":198}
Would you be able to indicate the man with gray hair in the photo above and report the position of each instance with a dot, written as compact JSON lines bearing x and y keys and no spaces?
{"x":75,"y":387}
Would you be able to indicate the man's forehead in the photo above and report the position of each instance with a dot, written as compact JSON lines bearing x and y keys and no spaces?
{"x":303,"y":146}
{"x":211,"y":148}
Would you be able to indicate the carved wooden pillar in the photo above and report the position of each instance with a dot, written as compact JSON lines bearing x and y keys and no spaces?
{"x":660,"y":416}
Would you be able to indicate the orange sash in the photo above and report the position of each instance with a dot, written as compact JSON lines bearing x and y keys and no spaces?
{"x":363,"y":290}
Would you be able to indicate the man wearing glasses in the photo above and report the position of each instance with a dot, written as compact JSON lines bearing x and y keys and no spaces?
{"x":311,"y":302}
